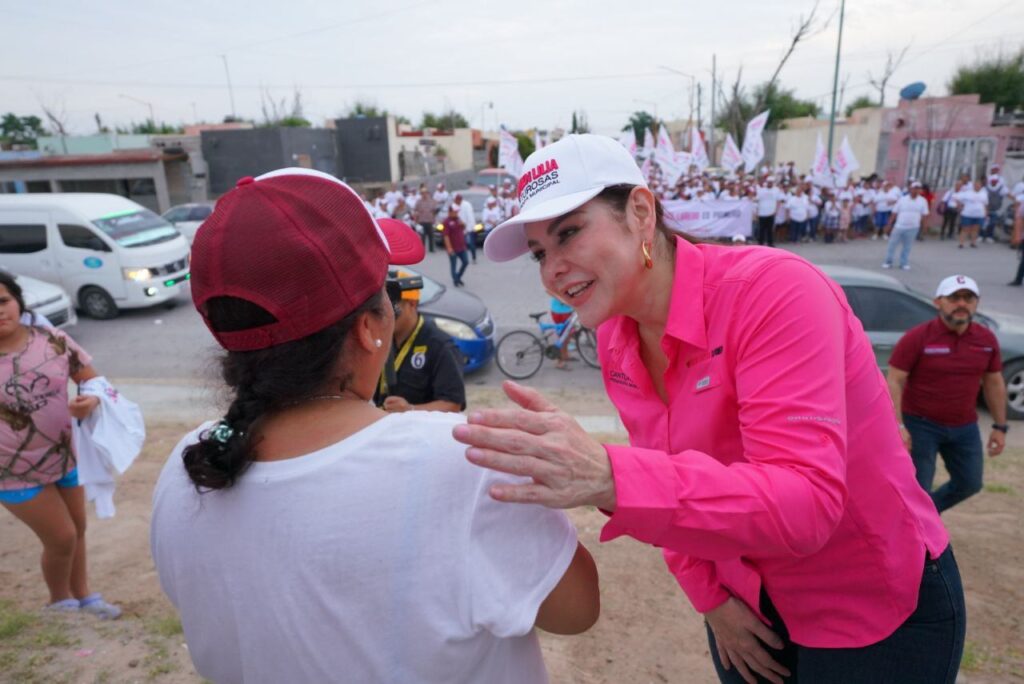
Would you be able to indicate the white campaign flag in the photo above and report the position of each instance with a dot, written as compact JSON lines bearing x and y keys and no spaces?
{"x":753,"y":143}
{"x":628,"y":140}
{"x":665,"y":152}
{"x":820,"y":172}
{"x":845,"y":162}
{"x":648,"y":143}
{"x":698,"y":151}
{"x":508,"y":153}
{"x":673,"y":168}
{"x":731,"y":157}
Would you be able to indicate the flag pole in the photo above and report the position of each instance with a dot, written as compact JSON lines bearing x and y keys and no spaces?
{"x":835,"y":81}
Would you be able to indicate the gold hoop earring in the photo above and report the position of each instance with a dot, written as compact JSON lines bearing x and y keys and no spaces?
{"x":648,"y":262}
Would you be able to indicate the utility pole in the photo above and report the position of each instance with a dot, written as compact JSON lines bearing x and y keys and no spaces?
{"x":231,"y":91}
{"x":711,"y":128}
{"x":835,"y":81}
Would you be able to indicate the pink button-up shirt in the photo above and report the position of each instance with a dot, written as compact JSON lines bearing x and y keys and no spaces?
{"x":777,"y":461}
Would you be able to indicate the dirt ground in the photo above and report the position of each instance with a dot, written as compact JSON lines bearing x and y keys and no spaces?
{"x":647,"y":632}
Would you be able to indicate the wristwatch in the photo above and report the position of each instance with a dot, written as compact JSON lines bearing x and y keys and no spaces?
{"x":1004,"y":428}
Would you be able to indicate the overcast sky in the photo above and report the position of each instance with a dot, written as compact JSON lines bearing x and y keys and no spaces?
{"x":535,"y":60}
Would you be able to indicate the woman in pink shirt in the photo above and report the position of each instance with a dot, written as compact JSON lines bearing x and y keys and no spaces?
{"x":764,"y":458}
{"x":38,"y":473}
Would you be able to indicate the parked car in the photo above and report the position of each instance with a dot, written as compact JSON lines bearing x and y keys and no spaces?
{"x":887,"y":308}
{"x":476,"y":199}
{"x":48,"y":300}
{"x":106,"y":251}
{"x":188,"y":217}
{"x":488,"y":177}
{"x":462,"y":316}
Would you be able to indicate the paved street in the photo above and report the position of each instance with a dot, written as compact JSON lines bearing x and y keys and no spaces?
{"x":172,"y":345}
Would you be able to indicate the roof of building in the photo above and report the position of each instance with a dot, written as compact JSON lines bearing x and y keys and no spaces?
{"x":128,"y":157}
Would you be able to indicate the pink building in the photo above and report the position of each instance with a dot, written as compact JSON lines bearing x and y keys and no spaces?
{"x":936,"y":139}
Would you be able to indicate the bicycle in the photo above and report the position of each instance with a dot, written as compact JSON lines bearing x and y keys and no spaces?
{"x":521,"y":353}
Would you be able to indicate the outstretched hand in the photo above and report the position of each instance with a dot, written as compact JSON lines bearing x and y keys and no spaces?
{"x":542,"y":442}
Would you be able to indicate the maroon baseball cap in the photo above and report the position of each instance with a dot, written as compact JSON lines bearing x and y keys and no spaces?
{"x":300,"y":244}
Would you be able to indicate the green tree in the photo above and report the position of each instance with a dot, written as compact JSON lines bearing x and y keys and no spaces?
{"x":526,"y":144}
{"x":370,"y":110}
{"x":998,"y":79}
{"x":639,"y":122}
{"x":449,"y":120}
{"x":21,"y":130}
{"x":149,"y":127}
{"x":860,"y":102}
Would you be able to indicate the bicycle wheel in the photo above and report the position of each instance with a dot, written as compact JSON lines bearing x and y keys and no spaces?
{"x":519,"y":354}
{"x":586,"y":345}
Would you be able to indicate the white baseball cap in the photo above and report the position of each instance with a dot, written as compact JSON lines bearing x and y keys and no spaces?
{"x":557,"y":179}
{"x":955,"y":283}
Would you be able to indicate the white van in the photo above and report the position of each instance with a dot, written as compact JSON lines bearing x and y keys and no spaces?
{"x":107,"y":252}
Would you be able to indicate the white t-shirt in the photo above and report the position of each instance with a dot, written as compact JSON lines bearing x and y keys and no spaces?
{"x":380,"y":558}
{"x":973,"y":203}
{"x":886,"y":199}
{"x":909,"y":212}
{"x":798,"y":206}
{"x":767,"y":199}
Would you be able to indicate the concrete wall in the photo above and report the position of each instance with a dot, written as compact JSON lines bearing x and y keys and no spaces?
{"x":362,"y":146}
{"x":114,"y":178}
{"x":797,"y":140}
{"x":458,"y":145}
{"x":99,"y":143}
{"x":231,"y":155}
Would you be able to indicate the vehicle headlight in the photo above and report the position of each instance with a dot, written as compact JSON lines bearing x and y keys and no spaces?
{"x":137,"y":274}
{"x":456,"y":329}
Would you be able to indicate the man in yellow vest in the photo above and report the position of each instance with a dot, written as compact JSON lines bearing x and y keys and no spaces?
{"x":424,"y":372}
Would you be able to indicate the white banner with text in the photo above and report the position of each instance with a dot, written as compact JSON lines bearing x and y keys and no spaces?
{"x":709,"y":218}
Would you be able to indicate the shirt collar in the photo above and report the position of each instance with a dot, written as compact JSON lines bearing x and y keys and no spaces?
{"x":686,"y":307}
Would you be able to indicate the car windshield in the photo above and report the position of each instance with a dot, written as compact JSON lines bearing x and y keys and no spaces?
{"x":136,"y":228}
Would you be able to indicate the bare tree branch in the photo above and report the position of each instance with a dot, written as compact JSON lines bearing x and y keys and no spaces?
{"x":805,"y":29}
{"x":892,"y":63}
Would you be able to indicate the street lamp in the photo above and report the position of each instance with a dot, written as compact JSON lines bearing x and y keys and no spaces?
{"x":152,"y":116}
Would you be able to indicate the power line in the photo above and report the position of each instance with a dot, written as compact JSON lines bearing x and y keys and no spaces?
{"x":338,"y":86}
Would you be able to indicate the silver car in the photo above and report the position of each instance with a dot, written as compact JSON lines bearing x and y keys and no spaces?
{"x":188,"y":217}
{"x":887,"y":308}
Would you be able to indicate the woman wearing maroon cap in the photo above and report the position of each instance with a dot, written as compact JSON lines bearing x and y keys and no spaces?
{"x":308,"y":536}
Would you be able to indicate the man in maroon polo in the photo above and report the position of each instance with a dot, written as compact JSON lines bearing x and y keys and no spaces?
{"x":934,"y":374}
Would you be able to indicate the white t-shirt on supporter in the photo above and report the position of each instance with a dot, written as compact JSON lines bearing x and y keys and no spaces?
{"x":767,"y":199}
{"x":380,"y":558}
{"x":909,"y":212}
{"x":973,"y":203}
{"x":886,"y":199}
{"x":798,"y":207}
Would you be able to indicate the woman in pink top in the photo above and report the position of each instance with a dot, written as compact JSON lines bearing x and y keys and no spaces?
{"x":764,"y":458}
{"x":38,"y":477}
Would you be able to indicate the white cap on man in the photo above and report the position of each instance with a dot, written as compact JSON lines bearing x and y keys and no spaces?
{"x":955,"y":283}
{"x":558,"y":178}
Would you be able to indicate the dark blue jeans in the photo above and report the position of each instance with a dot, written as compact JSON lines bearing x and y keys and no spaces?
{"x":457,"y":273}
{"x":961,"y":452}
{"x":925,"y":649}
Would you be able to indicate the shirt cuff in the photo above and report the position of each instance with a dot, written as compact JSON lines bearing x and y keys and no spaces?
{"x":645,"y":494}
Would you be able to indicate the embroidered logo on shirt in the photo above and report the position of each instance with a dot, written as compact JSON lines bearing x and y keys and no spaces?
{"x":620,"y":378}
